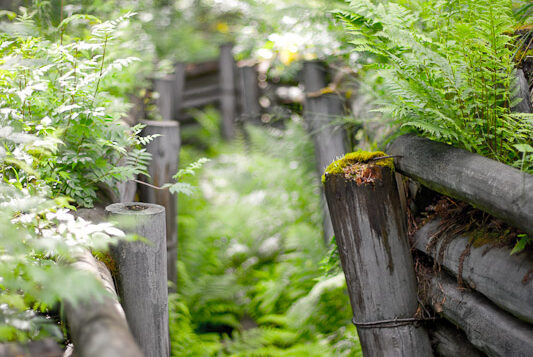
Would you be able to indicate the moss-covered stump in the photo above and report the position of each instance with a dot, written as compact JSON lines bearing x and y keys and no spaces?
{"x":370,"y":230}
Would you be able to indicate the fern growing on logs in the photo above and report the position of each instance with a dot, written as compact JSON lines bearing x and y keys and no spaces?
{"x":448,"y":73}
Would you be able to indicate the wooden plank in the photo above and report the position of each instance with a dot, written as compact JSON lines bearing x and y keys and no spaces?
{"x":228,"y":101}
{"x":202,"y":68}
{"x":372,"y":242}
{"x":490,"y":329}
{"x":498,"y":189}
{"x":98,"y":327}
{"x":507,"y":280}
{"x":142,"y":275}
{"x":249,"y":95}
{"x":319,"y":114}
{"x":165,"y":156}
{"x":448,"y":341}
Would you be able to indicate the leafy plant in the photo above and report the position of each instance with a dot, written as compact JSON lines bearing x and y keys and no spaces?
{"x":447,"y":73}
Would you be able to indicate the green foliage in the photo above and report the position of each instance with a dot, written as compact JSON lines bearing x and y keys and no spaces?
{"x":249,"y":256}
{"x":447,"y":73}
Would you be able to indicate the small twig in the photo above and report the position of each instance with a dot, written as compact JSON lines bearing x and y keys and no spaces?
{"x":384,"y":157}
{"x":150,"y":185}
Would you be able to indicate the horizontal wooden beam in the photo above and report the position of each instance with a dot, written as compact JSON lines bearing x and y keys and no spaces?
{"x":449,"y":341}
{"x":496,"y":188}
{"x":200,"y":69}
{"x":488,"y":328}
{"x":503,"y":278}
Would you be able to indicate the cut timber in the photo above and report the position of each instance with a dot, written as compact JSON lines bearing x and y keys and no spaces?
{"x":42,"y":348}
{"x":372,"y":242}
{"x":507,"y":280}
{"x":320,"y":113}
{"x":165,"y":151}
{"x":142,"y":274}
{"x":496,"y":188}
{"x":490,"y":329}
{"x":449,"y":341}
{"x":98,"y":326}
{"x":228,"y":100}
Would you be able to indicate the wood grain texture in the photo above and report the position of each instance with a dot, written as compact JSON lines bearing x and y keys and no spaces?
{"x":372,"y":242}
{"x":498,"y":189}
{"x":165,"y":157}
{"x":228,"y":100}
{"x":142,"y":275}
{"x":490,"y":329}
{"x":507,"y":280}
{"x":98,"y":326}
{"x":449,"y":341}
{"x":319,"y":114}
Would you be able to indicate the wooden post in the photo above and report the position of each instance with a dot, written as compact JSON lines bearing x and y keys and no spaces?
{"x":249,"y":95}
{"x":98,"y":327}
{"x":179,"y":89}
{"x":142,"y":275}
{"x":370,"y":230}
{"x":523,"y":93}
{"x":320,"y":111}
{"x":165,"y":155}
{"x":227,"y":86}
{"x":165,"y":87}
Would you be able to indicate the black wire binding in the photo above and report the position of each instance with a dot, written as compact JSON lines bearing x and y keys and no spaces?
{"x":391,"y":322}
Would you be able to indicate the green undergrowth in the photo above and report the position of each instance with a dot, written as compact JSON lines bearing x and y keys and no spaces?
{"x":250,"y":282}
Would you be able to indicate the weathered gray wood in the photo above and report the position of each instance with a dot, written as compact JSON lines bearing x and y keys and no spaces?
{"x":126,"y":191}
{"x":228,"y":101}
{"x":98,"y":326}
{"x":319,"y":113}
{"x":179,"y":89}
{"x":42,"y":348}
{"x":202,"y":68}
{"x":523,"y":93}
{"x":490,"y":329}
{"x":213,"y":98}
{"x":496,"y":188}
{"x":166,"y":89}
{"x":142,"y":275}
{"x":372,"y":242}
{"x":165,"y":156}
{"x":449,"y":341}
{"x":249,"y":95}
{"x":507,"y":280}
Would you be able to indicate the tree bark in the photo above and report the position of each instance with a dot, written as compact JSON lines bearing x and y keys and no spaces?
{"x":372,"y":242}
{"x":142,"y":275}
{"x":507,"y":280}
{"x":165,"y":156}
{"x":496,"y":188}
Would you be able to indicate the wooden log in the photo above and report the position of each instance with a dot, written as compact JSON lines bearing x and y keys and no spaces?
{"x":490,"y":329}
{"x":165,"y":87}
{"x":507,"y":280}
{"x":228,"y":101}
{"x":179,"y":89}
{"x":43,"y":348}
{"x":204,"y":90}
{"x":202,"y":68}
{"x":249,"y":95}
{"x":142,"y":275}
{"x":98,"y":325}
{"x":448,"y":341}
{"x":165,"y":156}
{"x":523,"y":93}
{"x":319,"y":114}
{"x":213,"y":98}
{"x":372,"y":242}
{"x":498,"y":189}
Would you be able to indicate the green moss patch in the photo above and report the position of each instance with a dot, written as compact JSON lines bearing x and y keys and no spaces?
{"x":358,"y":157}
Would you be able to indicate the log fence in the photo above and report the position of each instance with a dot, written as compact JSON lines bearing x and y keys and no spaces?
{"x":484,"y":291}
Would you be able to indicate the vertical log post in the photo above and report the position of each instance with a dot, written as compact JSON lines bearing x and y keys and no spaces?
{"x":165,"y":87}
{"x":179,"y":89}
{"x":249,"y":95}
{"x":320,"y":110}
{"x":165,"y":155}
{"x":141,"y":275}
{"x":370,"y":230}
{"x":227,"y":86}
